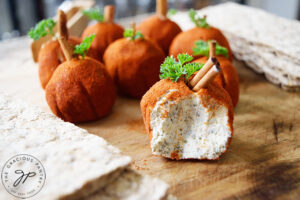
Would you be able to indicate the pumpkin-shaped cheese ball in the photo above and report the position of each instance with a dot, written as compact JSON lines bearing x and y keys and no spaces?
{"x":133,"y":63}
{"x":106,"y":30}
{"x":159,"y":28}
{"x":184,"y":41}
{"x":50,"y":55}
{"x":228,"y":78}
{"x":187,"y":124}
{"x":80,"y":89}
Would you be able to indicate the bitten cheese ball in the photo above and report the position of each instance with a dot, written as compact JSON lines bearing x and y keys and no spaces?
{"x":184,"y":41}
{"x":106,"y":31}
{"x":183,"y":124}
{"x":134,"y":65}
{"x":80,"y":90}
{"x":230,"y":79}
{"x":160,"y":29}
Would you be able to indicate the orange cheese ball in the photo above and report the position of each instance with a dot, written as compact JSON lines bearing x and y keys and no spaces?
{"x":184,"y":42}
{"x":134,"y":65}
{"x":81,"y":91}
{"x":106,"y":33}
{"x":160,"y":30}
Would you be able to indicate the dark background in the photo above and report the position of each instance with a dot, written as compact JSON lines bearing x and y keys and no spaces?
{"x":17,"y":16}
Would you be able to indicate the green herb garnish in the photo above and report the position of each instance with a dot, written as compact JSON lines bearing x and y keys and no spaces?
{"x":129,"y":33}
{"x":202,"y":48}
{"x":83,"y":48}
{"x":42,"y":29}
{"x":173,"y":70}
{"x":171,"y":12}
{"x":94,"y":14}
{"x":198,"y":21}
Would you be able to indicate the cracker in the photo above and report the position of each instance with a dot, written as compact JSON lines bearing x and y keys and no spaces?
{"x":76,"y":163}
{"x":133,"y":186}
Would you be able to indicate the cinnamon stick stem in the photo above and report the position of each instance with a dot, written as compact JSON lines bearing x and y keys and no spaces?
{"x":207,"y":66}
{"x":162,"y":8}
{"x":109,"y":13}
{"x":63,"y":35}
{"x":133,"y":28}
{"x":212,"y":48}
{"x":62,"y":24}
{"x":66,"y":48}
{"x":209,"y":76}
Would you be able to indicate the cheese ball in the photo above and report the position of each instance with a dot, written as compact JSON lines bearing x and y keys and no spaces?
{"x":80,"y":91}
{"x":51,"y":55}
{"x":229,"y":78}
{"x":134,"y":65}
{"x":106,"y":33}
{"x":160,"y":30}
{"x":184,"y":42}
{"x":183,"y":124}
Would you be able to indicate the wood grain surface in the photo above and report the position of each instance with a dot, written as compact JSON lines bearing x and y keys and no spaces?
{"x":263,"y":161}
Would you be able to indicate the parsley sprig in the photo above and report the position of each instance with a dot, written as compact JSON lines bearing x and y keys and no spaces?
{"x":171,"y":12}
{"x":202,"y":48}
{"x":173,"y":69}
{"x":83,"y":48}
{"x":42,"y":29}
{"x":94,"y":14}
{"x":198,"y":21}
{"x":129,"y":33}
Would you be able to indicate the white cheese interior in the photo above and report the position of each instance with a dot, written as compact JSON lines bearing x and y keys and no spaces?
{"x":190,"y":128}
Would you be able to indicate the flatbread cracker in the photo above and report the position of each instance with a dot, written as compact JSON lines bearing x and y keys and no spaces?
{"x":133,"y":186}
{"x":76,"y":163}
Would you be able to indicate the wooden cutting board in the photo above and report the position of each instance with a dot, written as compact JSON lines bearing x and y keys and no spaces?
{"x":263,"y":161}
